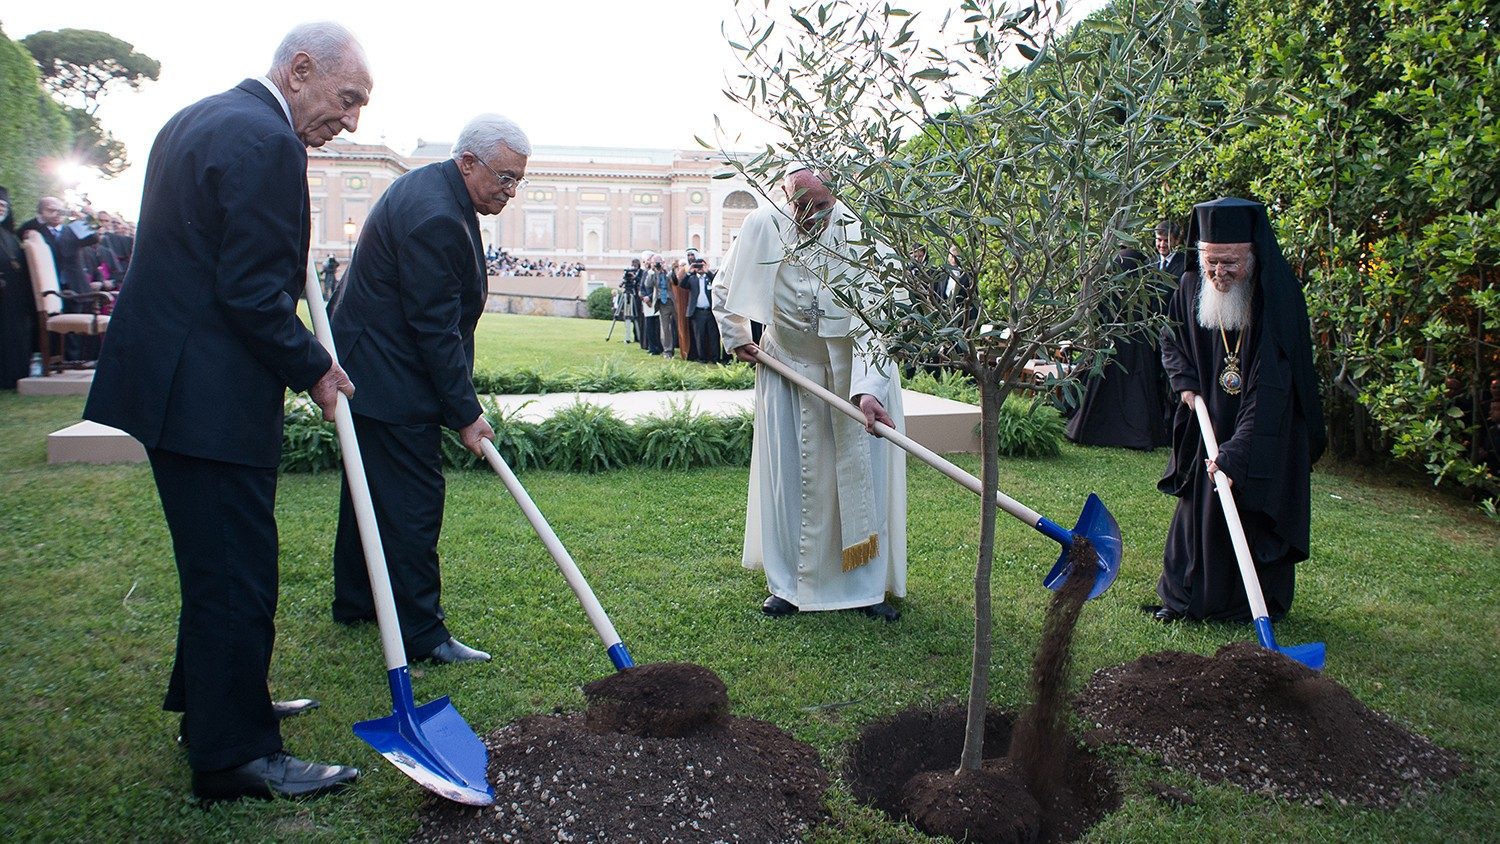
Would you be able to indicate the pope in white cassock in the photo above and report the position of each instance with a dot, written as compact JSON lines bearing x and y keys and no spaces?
{"x":826,"y":516}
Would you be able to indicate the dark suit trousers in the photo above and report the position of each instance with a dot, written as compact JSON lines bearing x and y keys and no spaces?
{"x":404,"y":464}
{"x":705,"y":336}
{"x":224,"y":536}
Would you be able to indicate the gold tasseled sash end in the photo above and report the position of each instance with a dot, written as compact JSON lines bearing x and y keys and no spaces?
{"x":860,"y":553}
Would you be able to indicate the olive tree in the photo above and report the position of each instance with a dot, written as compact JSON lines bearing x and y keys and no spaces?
{"x":1032,"y":149}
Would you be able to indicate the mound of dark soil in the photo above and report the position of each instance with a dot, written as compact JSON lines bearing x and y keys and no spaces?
{"x":1253,"y":717}
{"x":565,"y":778}
{"x":893,"y":750}
{"x":659,"y":699}
{"x":990,"y":804}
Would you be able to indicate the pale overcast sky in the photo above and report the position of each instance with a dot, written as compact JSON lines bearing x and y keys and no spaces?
{"x":623,"y":73}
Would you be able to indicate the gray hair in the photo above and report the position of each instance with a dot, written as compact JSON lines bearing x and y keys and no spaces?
{"x":485,"y":134}
{"x":327,"y":42}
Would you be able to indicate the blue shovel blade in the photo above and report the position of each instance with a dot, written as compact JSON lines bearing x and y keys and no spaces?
{"x":433,"y":745}
{"x":1313,"y":654}
{"x":1098,"y":525}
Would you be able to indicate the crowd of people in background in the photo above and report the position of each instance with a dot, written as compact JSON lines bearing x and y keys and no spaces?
{"x":668,"y":308}
{"x":90,"y":252}
{"x":499,"y":262}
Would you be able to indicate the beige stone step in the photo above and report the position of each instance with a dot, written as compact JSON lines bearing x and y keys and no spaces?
{"x":942,"y":425}
{"x":90,"y":442}
{"x":72,"y":382}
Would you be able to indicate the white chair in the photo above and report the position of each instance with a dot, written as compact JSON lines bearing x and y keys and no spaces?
{"x":50,"y":298}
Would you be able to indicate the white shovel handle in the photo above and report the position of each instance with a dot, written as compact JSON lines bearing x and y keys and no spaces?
{"x":359,"y":492}
{"x":921,"y":452}
{"x":560,"y":555}
{"x":1231,"y":515}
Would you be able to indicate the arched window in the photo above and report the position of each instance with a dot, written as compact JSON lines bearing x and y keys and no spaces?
{"x":741,"y":199}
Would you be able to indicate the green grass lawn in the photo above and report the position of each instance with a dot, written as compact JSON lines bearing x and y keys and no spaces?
{"x":1402,"y":587}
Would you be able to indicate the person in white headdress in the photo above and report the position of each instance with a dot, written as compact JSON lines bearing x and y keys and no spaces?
{"x":826,"y":517}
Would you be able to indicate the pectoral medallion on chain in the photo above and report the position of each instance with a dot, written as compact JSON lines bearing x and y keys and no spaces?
{"x":1230,"y":379}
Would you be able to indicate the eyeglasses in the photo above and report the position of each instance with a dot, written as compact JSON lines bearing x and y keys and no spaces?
{"x":507,"y":182}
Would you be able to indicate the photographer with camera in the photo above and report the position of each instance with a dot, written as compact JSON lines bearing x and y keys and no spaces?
{"x":658,"y":293}
{"x":650,"y":335}
{"x":698,"y":282}
{"x":627,"y":304}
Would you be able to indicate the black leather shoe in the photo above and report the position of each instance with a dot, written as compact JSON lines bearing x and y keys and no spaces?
{"x":1150,"y":609}
{"x":454,"y":651}
{"x":1167,"y":615}
{"x":777,"y":607}
{"x":285,"y":709}
{"x":881,"y":612}
{"x":282,"y":709}
{"x":277,"y":775}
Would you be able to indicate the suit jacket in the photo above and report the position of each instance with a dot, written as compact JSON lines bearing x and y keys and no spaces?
{"x":694,"y":284}
{"x":205,"y":337}
{"x":403,"y":320}
{"x":1176,"y":264}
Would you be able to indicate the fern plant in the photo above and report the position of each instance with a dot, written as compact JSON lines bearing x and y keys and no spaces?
{"x":739,"y":436}
{"x":308,"y":444}
{"x":517,"y":440}
{"x":1029,"y":429}
{"x":681,"y":438}
{"x":587,"y":438}
{"x":731,"y":376}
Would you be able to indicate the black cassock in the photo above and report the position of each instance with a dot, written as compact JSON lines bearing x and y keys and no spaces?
{"x":1264,"y":440}
{"x":1122,"y":406}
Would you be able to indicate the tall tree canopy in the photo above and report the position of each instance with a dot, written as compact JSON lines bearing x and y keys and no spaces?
{"x":81,"y":64}
{"x":32,"y":128}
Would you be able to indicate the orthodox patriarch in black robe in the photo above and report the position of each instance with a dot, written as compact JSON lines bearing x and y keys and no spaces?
{"x":1270,"y":430}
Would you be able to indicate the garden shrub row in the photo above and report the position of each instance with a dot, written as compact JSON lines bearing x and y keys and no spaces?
{"x":588,"y":438}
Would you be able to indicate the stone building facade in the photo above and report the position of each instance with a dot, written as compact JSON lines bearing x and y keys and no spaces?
{"x":600,"y":206}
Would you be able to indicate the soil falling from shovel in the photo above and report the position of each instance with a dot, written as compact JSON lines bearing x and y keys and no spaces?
{"x":1026,"y":796}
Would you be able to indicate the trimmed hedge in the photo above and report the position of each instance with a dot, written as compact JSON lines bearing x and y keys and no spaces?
{"x":589,"y":438}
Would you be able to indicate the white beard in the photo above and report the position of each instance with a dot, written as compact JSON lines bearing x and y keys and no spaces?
{"x":1228,"y":311}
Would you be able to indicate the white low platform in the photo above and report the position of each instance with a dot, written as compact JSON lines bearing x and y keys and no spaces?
{"x":942,"y":425}
{"x":72,"y":382}
{"x":90,"y":442}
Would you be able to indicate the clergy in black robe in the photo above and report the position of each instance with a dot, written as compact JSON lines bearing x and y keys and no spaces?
{"x":17,"y":303}
{"x":1121,"y":405}
{"x":1252,"y":364}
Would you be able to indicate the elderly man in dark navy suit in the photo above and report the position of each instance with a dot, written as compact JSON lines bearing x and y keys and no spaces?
{"x":203,"y":344}
{"x":403,"y":321}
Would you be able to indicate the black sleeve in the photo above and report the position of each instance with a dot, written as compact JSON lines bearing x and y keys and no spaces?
{"x":432,"y":263}
{"x":259,"y":196}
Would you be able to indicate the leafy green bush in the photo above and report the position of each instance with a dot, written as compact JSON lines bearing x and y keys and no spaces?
{"x":739,"y":435}
{"x":587,"y":438}
{"x":518,"y":441}
{"x":610,"y":377}
{"x":673,"y":378}
{"x":308,"y":444}
{"x":1029,"y":429}
{"x":948,"y":384}
{"x":682,"y":439}
{"x":512,"y":382}
{"x":600,"y":303}
{"x":729,"y":376}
